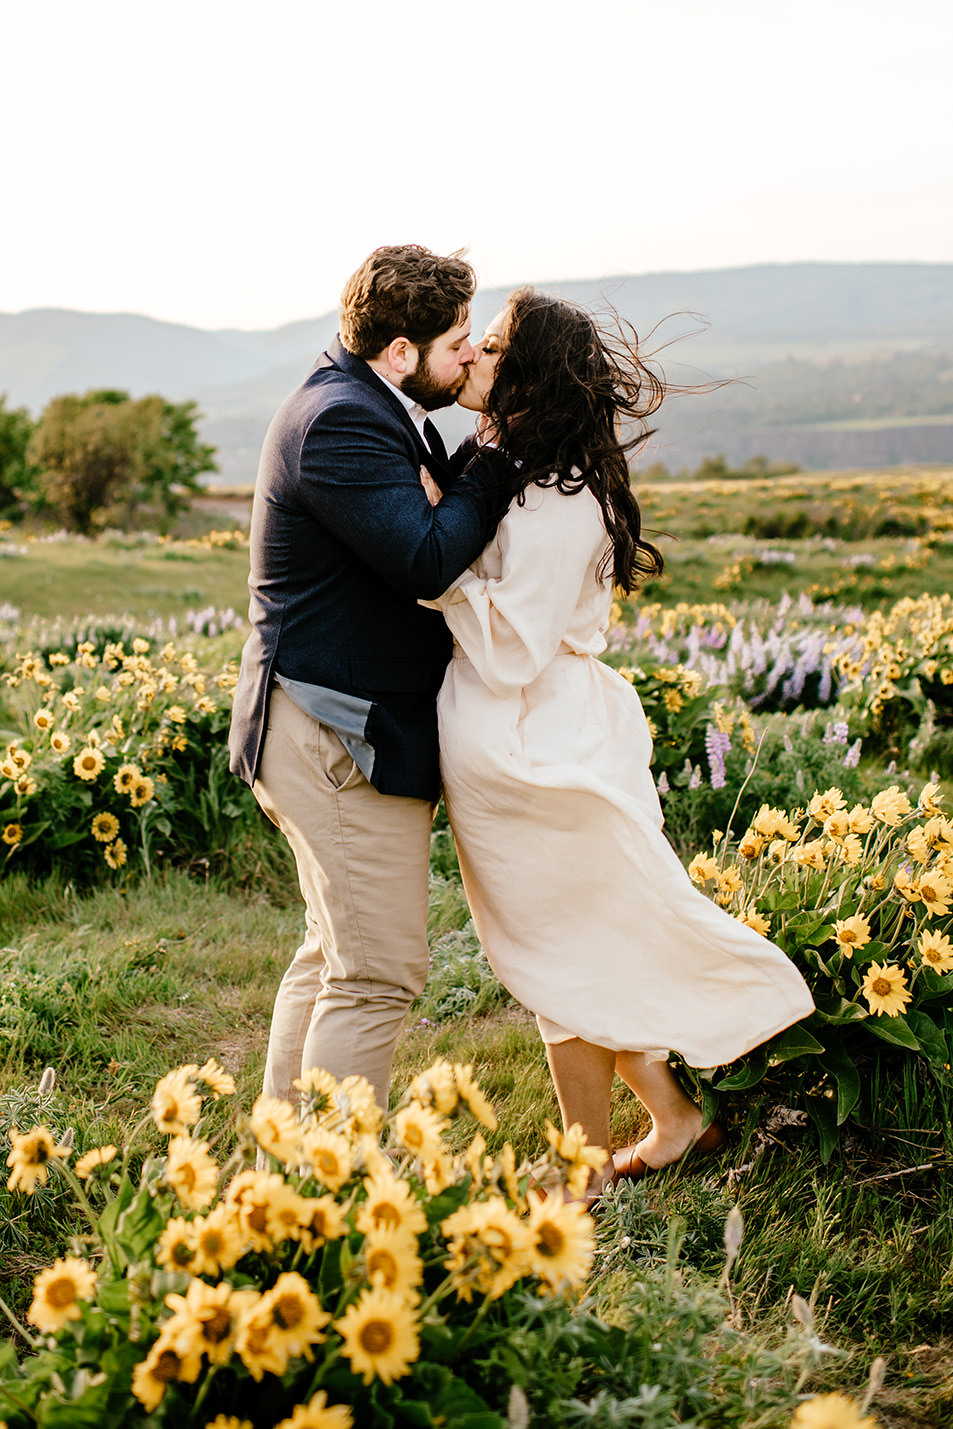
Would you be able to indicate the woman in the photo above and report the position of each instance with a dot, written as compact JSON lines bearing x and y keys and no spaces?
{"x":582,"y":907}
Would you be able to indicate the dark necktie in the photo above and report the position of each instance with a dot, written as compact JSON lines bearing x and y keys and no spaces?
{"x":435,"y":442}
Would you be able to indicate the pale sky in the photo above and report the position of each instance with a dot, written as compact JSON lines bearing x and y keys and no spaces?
{"x":228,"y":165}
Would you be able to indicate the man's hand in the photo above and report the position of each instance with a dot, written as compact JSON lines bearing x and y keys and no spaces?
{"x":434,"y":494}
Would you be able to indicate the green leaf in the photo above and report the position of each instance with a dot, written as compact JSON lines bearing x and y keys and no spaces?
{"x":893,"y":1029}
{"x":836,"y":1061}
{"x":837,"y":1011}
{"x":795,"y":1041}
{"x":931,"y":985}
{"x":750,"y":1071}
{"x":140,"y":1225}
{"x":932,"y":1040}
{"x":822,"y":1112}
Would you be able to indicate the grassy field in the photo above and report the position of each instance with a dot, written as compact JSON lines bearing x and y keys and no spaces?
{"x":114,"y":985}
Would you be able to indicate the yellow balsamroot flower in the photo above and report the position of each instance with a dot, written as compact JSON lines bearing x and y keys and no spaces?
{"x":389,"y":1203}
{"x":564,"y":1242}
{"x":437,"y":1087}
{"x":142,"y":791}
{"x":71,"y":701}
{"x":935,"y":892}
{"x":322,"y":1219}
{"x":438,"y":1173}
{"x":30,"y":1158}
{"x":890,"y":806}
{"x":206,"y":706}
{"x":43,"y":719}
{"x":179,"y":742}
{"x":852,"y":933}
{"x":125,"y":777}
{"x":938,"y":833}
{"x":285,"y":1212}
{"x":860,"y":820}
{"x":89,"y":763}
{"x":936,"y":952}
{"x":850,"y":850}
{"x":489,"y":1248}
{"x":204,"y":1320}
{"x":229,"y":1421}
{"x":99,"y":1156}
{"x":356,"y":1106}
{"x":115,"y":854}
{"x":822,"y":806}
{"x":837,"y":825}
{"x":104,"y":828}
{"x":218,"y":1241}
{"x":163,"y":1365}
{"x":750,"y":846}
{"x":572,"y":1147}
{"x":57,"y":1292}
{"x":885,"y":989}
{"x":470,"y":1093}
{"x":831,"y":1411}
{"x":317,"y":1087}
{"x":12,"y":834}
{"x":703,"y":868}
{"x":176,"y":714}
{"x":907,"y":886}
{"x":176,"y":1244}
{"x":140,"y":646}
{"x":191,"y":1172}
{"x":219,"y":1082}
{"x":25,"y":785}
{"x":60,"y":742}
{"x":419,"y":1130}
{"x":316,"y":1414}
{"x":753,"y":919}
{"x":917,"y":845}
{"x":175,"y":1102}
{"x":104,"y":694}
{"x":811,"y":854}
{"x":328,"y":1153}
{"x":380,"y":1336}
{"x":930,"y":799}
{"x":276,"y":1128}
{"x":391,"y":1262}
{"x":260,"y":1198}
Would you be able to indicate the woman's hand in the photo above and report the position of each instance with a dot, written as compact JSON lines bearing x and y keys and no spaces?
{"x":433,"y":492}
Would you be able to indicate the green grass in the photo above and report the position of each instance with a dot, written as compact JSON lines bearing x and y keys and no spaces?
{"x":72,"y":578}
{"x":113,"y":988}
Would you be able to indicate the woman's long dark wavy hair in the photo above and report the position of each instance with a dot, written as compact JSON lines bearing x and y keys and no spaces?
{"x":570,"y":405}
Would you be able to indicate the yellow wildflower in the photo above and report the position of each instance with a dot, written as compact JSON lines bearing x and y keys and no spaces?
{"x":175,"y":1102}
{"x":99,"y":1156}
{"x":191,"y":1172}
{"x":380,"y":1336}
{"x":936,"y":951}
{"x":30,"y":1158}
{"x":276,"y":1128}
{"x":316,"y":1414}
{"x":852,"y":934}
{"x":563,"y":1242}
{"x":890,"y":806}
{"x":57,"y":1292}
{"x":88,"y":763}
{"x":885,"y":989}
{"x":12,"y":834}
{"x":831,"y":1411}
{"x":104,"y":828}
{"x":163,"y":1365}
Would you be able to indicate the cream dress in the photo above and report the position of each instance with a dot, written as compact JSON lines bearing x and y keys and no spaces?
{"x":583,"y":909}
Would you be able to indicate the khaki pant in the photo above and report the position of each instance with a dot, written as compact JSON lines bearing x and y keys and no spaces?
{"x":363,"y":860}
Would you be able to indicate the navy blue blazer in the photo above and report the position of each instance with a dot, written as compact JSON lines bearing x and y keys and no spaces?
{"x":343,"y":542}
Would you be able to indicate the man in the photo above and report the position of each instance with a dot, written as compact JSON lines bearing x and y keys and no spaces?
{"x":334,"y":718}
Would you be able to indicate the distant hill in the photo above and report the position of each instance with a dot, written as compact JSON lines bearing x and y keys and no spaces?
{"x":845,"y":363}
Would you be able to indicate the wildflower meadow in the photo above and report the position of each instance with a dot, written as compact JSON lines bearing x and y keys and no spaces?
{"x":179,"y":1250}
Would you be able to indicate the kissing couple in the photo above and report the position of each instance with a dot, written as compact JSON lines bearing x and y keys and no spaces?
{"x":421,"y":621}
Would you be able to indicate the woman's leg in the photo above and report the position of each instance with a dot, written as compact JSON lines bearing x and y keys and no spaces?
{"x":582,"y":1074}
{"x":676,"y":1120}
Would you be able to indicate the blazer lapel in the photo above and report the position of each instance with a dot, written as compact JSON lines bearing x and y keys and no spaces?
{"x":436,"y":460}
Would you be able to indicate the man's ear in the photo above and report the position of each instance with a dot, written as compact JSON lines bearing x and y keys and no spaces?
{"x":402,"y":356}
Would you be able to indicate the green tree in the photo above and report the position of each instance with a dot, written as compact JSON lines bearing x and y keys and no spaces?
{"x":17,"y":473}
{"x":107,"y":459}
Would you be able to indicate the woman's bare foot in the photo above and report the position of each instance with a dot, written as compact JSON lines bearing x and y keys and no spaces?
{"x":663,"y":1145}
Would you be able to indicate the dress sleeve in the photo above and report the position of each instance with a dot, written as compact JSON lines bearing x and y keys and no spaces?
{"x":510,"y":626}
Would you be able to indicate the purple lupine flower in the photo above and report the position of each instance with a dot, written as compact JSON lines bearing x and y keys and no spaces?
{"x":695,"y":782}
{"x":662,"y":784}
{"x":852,"y":757}
{"x":836,"y":733}
{"x":717,"y":745}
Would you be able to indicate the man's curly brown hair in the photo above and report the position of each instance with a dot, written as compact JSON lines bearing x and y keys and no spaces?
{"x":404,"y":290}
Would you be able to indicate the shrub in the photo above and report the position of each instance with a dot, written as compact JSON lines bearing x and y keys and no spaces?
{"x":860,"y":900}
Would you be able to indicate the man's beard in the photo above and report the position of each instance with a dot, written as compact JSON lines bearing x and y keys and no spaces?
{"x":422,"y":387}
